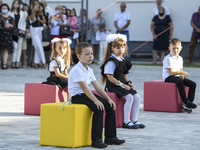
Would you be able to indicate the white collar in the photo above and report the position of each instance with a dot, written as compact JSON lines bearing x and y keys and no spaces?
{"x":82,"y":67}
{"x":173,"y":56}
{"x":116,"y":57}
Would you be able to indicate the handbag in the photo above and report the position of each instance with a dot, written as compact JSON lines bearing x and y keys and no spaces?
{"x":65,"y":30}
{"x":46,"y":35}
{"x":19,"y":33}
{"x":28,"y":34}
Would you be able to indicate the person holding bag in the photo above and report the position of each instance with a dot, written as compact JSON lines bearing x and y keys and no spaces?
{"x":36,"y":27}
{"x":20,"y":23}
{"x":57,"y":21}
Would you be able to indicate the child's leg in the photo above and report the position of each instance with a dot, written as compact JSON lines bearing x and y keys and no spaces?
{"x":135,"y":107}
{"x":192,"y":87}
{"x":180,"y":85}
{"x":127,"y":107}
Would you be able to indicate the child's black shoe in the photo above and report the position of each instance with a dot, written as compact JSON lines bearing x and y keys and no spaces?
{"x":99,"y":144}
{"x":113,"y":140}
{"x":134,"y":126}
{"x":191,"y":105}
{"x":187,"y":109}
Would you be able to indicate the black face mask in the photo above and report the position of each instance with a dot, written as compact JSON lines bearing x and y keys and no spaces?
{"x":161,"y":14}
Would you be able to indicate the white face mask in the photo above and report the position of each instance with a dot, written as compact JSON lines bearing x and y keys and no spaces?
{"x":21,"y":6}
{"x":57,"y":12}
{"x":4,"y":11}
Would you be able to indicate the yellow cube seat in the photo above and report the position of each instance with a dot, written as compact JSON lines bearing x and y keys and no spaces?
{"x":70,"y":127}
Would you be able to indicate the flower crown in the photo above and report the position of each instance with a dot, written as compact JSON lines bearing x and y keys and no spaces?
{"x":63,"y":39}
{"x":111,"y":37}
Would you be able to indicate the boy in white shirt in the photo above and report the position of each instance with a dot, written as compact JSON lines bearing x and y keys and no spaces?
{"x":173,"y":72}
{"x":79,"y":77}
{"x":101,"y":35}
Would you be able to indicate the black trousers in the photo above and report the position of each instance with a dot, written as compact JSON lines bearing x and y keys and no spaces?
{"x":181,"y":87}
{"x":97,"y":121}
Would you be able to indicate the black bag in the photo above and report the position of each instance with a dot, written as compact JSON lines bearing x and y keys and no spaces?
{"x":46,"y":35}
{"x":19,"y":33}
{"x":65,"y":30}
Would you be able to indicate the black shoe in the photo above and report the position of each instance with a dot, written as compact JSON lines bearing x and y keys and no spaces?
{"x":113,"y":141}
{"x":140,"y":125}
{"x":134,"y":126}
{"x":191,"y":105}
{"x":99,"y":144}
{"x":187,"y":109}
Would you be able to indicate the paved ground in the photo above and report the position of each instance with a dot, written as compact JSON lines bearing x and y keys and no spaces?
{"x":164,"y":131}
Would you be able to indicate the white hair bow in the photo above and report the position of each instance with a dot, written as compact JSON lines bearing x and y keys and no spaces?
{"x":111,"y":37}
{"x":64,"y":39}
{"x":67,"y":40}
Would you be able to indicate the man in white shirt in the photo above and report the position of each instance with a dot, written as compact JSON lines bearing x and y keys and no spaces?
{"x":155,"y":9}
{"x":48,"y":9}
{"x":122,"y":21}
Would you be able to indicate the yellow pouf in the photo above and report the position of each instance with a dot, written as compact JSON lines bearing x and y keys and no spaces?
{"x":70,"y":127}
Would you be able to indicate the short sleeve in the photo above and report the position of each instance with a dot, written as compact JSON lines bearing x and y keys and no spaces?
{"x":167,"y":63}
{"x":110,"y":67}
{"x":93,"y":76}
{"x":77,"y":75}
{"x":129,"y":16}
{"x":169,"y":19}
{"x":52,"y":64}
{"x":154,"y":19}
{"x":115,"y":18}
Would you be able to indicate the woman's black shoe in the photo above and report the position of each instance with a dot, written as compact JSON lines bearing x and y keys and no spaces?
{"x":99,"y":144}
{"x":113,"y":141}
{"x":4,"y":68}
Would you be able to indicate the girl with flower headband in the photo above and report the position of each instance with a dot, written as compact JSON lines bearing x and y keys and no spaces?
{"x":60,"y":62}
{"x":113,"y":72}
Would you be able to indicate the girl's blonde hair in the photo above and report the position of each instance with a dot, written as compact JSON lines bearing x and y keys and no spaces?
{"x":118,"y":42}
{"x":67,"y":55}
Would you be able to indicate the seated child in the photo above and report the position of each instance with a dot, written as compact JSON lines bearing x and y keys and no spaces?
{"x":173,"y":72}
{"x":101,"y":35}
{"x":60,"y":62}
{"x":113,"y":71}
{"x":80,"y":76}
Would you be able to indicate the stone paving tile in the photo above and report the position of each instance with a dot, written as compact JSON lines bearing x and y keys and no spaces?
{"x":164,"y":131}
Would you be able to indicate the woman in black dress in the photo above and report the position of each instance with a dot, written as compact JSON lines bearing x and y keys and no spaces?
{"x":160,"y":23}
{"x":7,"y":24}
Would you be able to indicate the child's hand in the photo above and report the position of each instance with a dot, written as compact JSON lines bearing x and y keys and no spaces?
{"x":184,"y":73}
{"x":99,"y":105}
{"x":182,"y":77}
{"x":127,"y":87}
{"x":112,"y":104}
{"x":130,"y":84}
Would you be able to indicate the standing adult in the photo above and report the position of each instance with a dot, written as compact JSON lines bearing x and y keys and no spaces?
{"x":160,"y":23}
{"x":156,"y":11}
{"x":122,"y":21}
{"x":20,"y":24}
{"x":96,"y":21}
{"x":195,"y":23}
{"x":7,"y":24}
{"x":36,"y":27}
{"x":1,"y":2}
{"x":48,"y":9}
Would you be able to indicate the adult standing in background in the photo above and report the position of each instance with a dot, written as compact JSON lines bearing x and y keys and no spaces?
{"x":48,"y":9}
{"x":122,"y":21}
{"x":96,"y":21}
{"x":159,"y":24}
{"x":156,"y":11}
{"x":20,"y":24}
{"x":195,"y":23}
{"x":1,"y":2}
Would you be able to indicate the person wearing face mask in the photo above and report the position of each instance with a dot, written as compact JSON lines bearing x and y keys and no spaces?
{"x":7,"y":24}
{"x":56,"y":21}
{"x":156,"y":11}
{"x":161,"y":23}
{"x":20,"y":23}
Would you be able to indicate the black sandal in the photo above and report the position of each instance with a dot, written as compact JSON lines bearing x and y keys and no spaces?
{"x":130,"y":127}
{"x":139,"y":125}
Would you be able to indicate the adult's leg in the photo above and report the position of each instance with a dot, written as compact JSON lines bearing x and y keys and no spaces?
{"x":192,"y":87}
{"x":180,"y":85}
{"x":14,"y":54}
{"x":19,"y":50}
{"x":193,"y":43}
{"x":155,"y":52}
{"x":4,"y":58}
{"x":162,"y":57}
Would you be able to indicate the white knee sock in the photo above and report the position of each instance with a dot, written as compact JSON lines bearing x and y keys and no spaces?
{"x":135,"y":107}
{"x":127,"y":108}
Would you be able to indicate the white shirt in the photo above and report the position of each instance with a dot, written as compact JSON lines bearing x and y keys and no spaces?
{"x":79,"y":73}
{"x":110,"y":66}
{"x":101,"y":36}
{"x":50,"y":11}
{"x":156,"y":11}
{"x":122,"y":19}
{"x":56,"y":28}
{"x":53,"y":64}
{"x":170,"y":61}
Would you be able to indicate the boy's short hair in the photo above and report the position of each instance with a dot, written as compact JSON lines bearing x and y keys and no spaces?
{"x":102,"y":26}
{"x":175,"y":41}
{"x":81,"y":46}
